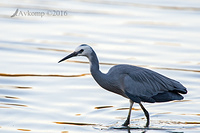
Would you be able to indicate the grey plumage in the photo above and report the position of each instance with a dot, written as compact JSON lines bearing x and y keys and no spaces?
{"x":135,"y":83}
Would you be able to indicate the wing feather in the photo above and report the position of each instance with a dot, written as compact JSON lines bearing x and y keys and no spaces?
{"x":146,"y":85}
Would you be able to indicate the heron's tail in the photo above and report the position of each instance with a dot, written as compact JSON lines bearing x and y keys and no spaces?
{"x":167,"y":96}
{"x":178,"y":87}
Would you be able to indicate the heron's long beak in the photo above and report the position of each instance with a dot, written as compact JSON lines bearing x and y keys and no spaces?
{"x":69,"y":56}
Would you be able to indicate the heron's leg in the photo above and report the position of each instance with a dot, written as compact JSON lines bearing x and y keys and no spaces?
{"x":146,"y":114}
{"x":127,"y":122}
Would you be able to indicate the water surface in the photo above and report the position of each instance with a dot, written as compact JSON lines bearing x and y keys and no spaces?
{"x":39,"y":95}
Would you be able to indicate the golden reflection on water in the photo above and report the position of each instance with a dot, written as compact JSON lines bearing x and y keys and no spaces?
{"x":128,"y":109}
{"x":4,"y":107}
{"x":163,"y":113}
{"x":176,"y":69}
{"x":81,"y":75}
{"x":11,"y":97}
{"x":103,"y":107}
{"x":86,"y":62}
{"x":186,"y":122}
{"x":7,"y":105}
{"x":164,"y":68}
{"x":21,"y":87}
{"x":40,"y":75}
{"x":76,"y":123}
{"x":191,"y":114}
{"x":24,"y":129}
{"x":181,"y":101}
{"x":52,"y":49}
{"x":64,"y":132}
{"x":15,"y":87}
{"x":13,"y":104}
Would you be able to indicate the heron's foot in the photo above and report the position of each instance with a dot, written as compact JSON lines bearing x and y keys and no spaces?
{"x":126,"y":123}
{"x":147,"y":125}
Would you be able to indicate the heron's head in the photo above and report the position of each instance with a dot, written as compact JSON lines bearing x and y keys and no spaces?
{"x":82,"y":50}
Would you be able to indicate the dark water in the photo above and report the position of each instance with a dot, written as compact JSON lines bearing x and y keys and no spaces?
{"x":39,"y":95}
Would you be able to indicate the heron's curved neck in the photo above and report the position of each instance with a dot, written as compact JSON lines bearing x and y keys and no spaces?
{"x":94,"y":68}
{"x":94,"y":63}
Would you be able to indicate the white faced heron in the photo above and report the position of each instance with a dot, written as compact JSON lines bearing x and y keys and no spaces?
{"x":135,"y":83}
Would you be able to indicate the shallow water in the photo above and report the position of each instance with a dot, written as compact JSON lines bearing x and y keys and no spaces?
{"x":39,"y":95}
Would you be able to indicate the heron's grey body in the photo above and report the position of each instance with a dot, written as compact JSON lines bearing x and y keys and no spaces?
{"x":135,"y":83}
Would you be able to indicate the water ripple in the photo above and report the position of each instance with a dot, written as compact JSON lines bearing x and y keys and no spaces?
{"x":40,"y":75}
{"x":144,"y":5}
{"x":164,"y":68}
{"x":14,"y":87}
{"x":103,"y":107}
{"x":76,"y":123}
{"x":24,"y":129}
{"x":13,"y":104}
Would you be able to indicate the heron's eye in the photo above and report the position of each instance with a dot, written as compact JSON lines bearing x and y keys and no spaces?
{"x":81,"y":51}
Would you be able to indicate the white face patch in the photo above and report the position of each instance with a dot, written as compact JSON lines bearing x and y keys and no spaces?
{"x":86,"y":50}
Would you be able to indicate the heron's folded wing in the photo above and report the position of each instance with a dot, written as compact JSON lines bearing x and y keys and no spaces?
{"x":143,"y":84}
